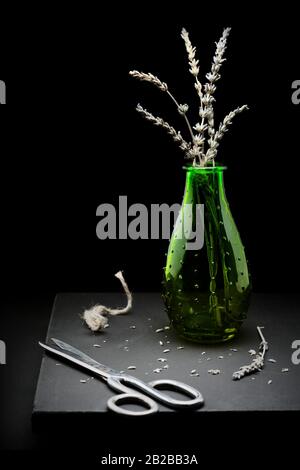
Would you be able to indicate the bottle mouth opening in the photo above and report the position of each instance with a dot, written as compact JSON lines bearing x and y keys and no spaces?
{"x":205,"y":169}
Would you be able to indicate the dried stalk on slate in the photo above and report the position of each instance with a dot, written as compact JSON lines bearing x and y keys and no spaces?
{"x":258,"y":362}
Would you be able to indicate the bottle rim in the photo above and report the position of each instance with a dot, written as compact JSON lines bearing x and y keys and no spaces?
{"x":205,"y":169}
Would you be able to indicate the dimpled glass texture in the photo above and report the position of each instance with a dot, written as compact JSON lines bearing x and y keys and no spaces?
{"x":206,"y":290}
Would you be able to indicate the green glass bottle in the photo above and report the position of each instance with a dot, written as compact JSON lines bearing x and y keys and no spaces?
{"x":206,"y":289}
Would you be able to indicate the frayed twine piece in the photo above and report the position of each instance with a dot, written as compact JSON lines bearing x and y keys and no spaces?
{"x":96,"y":317}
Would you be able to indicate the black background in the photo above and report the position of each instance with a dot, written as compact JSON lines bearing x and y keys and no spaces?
{"x":72,"y":140}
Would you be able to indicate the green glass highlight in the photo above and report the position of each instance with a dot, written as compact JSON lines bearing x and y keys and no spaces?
{"x":206,"y":291}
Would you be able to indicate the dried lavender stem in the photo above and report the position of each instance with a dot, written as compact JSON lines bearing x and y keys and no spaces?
{"x":150,"y":78}
{"x":263,"y":343}
{"x":258,"y":362}
{"x":259,"y":328}
{"x":184,"y":114}
{"x":185,"y":146}
{"x":194,"y":70}
{"x":213,"y":76}
{"x":203,"y":148}
{"x":214,"y":141}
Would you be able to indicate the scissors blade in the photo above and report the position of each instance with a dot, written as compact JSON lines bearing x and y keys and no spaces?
{"x":77,"y":357}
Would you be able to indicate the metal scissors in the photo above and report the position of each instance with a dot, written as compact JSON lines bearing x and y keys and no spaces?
{"x":132,"y":389}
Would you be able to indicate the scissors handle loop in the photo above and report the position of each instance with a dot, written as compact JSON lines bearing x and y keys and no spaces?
{"x":196,"y":400}
{"x":132,"y":394}
{"x":115,"y":404}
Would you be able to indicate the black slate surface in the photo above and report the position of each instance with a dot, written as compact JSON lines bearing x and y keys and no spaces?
{"x":59,"y":390}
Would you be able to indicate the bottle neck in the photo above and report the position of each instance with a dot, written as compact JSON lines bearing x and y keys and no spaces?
{"x":205,"y":180}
